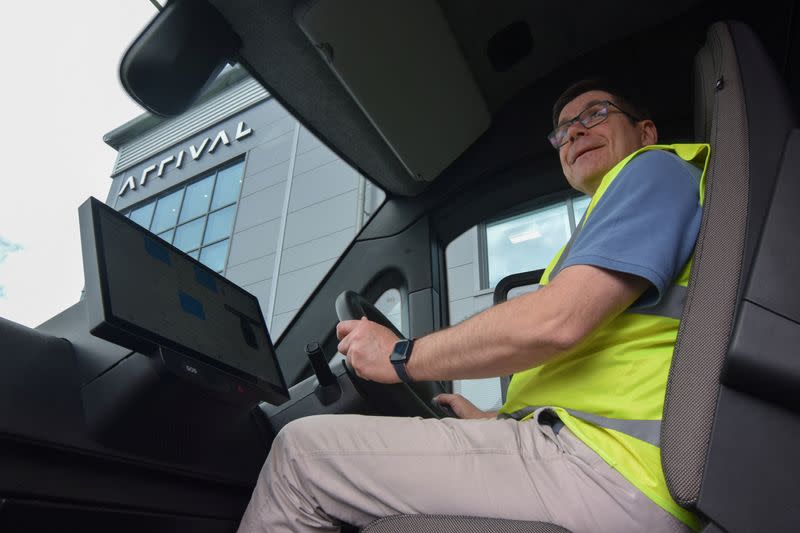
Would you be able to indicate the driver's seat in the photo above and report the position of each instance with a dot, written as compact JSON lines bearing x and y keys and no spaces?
{"x":731,"y":72}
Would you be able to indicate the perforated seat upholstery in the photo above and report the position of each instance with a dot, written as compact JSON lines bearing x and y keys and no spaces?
{"x":739,"y":187}
{"x":462,"y":524}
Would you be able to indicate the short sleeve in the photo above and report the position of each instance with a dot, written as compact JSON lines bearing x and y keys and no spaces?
{"x":645,"y":224}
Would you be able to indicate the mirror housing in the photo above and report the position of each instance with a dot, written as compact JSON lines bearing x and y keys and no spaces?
{"x":177,"y":55}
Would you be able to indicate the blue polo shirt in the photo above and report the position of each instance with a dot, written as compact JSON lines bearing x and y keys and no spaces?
{"x":646,"y":223}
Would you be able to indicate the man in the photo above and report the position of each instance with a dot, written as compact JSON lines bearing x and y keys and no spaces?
{"x":576,"y":442}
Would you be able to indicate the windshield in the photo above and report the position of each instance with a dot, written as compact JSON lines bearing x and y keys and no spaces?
{"x":240,"y":185}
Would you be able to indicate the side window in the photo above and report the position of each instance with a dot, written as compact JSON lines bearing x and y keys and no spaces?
{"x":579,"y":206}
{"x":524,"y":240}
{"x":390,"y":304}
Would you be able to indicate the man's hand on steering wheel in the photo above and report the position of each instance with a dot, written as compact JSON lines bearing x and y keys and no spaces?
{"x":367,"y":346}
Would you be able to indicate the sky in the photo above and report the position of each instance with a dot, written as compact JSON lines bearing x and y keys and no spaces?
{"x":60,"y":93}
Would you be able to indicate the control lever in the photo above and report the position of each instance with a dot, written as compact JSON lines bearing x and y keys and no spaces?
{"x":328,"y":390}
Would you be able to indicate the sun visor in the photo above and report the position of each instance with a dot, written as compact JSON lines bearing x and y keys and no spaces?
{"x":403,"y":67}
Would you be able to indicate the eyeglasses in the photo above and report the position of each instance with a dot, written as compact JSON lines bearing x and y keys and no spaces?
{"x":594,"y":114}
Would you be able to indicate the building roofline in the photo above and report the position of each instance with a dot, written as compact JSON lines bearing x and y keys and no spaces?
{"x":147,"y":121}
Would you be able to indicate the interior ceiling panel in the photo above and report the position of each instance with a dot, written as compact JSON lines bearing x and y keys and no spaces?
{"x":402,"y":79}
{"x":561,"y":32}
{"x":282,"y":57}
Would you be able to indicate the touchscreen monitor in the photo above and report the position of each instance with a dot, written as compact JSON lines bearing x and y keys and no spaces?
{"x":147,"y":295}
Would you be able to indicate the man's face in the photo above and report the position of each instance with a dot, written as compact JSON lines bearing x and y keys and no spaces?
{"x":590,"y":153}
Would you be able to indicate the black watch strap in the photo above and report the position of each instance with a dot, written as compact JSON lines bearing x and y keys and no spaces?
{"x":400,"y":368}
{"x":400,"y":357}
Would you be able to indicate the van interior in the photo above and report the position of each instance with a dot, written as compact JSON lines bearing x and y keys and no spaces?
{"x":445,"y":104}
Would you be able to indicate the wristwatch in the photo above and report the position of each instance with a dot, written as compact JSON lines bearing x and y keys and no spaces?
{"x":400,"y":357}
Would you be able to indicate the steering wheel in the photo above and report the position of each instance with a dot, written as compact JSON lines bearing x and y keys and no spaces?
{"x":399,"y":399}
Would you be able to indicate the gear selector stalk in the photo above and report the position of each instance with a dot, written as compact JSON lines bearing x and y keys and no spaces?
{"x":328,"y":390}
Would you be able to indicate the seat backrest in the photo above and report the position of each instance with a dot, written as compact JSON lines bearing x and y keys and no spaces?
{"x":743,"y":111}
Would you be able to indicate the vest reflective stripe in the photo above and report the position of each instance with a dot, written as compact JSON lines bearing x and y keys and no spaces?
{"x":646,"y":430}
{"x":519,"y":415}
{"x":670,"y":306}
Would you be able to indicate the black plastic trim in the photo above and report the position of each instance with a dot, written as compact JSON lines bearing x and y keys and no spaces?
{"x":520,"y":279}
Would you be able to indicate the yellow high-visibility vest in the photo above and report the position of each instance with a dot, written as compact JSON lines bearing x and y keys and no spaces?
{"x":609,"y":389}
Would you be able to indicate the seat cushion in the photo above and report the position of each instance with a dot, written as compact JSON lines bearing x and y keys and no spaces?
{"x":457,"y":524}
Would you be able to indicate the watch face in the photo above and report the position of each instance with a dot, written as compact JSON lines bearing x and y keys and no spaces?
{"x":400,"y":351}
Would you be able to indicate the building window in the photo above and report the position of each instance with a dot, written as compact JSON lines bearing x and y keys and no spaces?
{"x":197,"y":218}
{"x":528,"y":240}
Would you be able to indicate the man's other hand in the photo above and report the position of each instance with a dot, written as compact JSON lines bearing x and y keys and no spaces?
{"x":367,"y":346}
{"x":462,"y":407}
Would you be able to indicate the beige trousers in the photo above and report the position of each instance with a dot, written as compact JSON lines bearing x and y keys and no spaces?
{"x":328,"y":469}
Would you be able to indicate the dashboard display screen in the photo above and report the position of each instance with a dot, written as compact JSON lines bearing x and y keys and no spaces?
{"x":161,"y":294}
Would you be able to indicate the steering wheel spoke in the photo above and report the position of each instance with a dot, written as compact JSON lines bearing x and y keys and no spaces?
{"x":400,"y":398}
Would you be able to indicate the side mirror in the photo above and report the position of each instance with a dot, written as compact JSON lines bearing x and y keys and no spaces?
{"x":177,"y":55}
